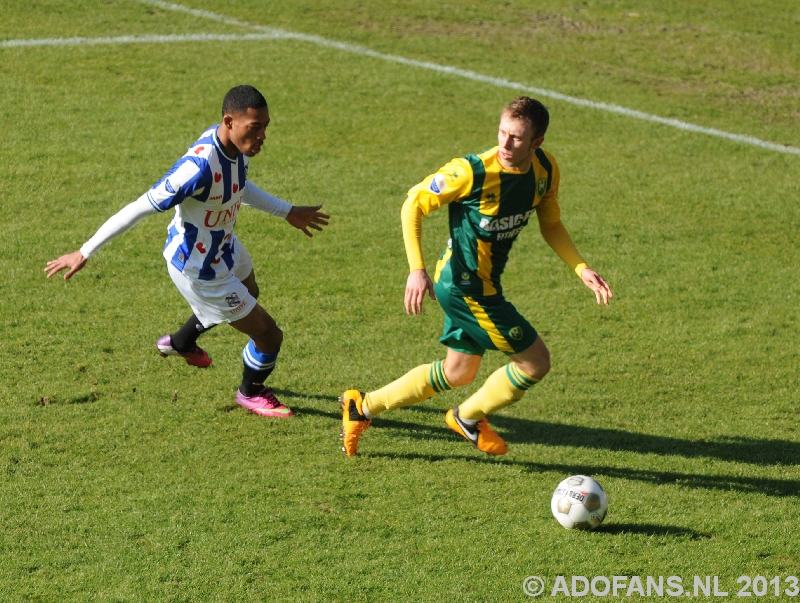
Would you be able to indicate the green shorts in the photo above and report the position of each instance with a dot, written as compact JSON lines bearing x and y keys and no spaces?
{"x":473,"y":325}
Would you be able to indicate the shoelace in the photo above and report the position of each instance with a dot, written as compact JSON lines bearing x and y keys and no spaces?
{"x":269,"y":397}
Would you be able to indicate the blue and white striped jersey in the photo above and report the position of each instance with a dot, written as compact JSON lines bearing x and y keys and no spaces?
{"x":205,"y":187}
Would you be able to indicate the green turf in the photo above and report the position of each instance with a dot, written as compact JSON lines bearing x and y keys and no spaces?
{"x":128,"y":477}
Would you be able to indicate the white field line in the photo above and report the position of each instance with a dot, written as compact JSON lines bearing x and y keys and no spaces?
{"x":272,"y":33}
{"x":478,"y":77}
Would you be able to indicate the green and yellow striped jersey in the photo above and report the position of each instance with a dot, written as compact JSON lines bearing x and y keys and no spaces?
{"x":489,"y":206}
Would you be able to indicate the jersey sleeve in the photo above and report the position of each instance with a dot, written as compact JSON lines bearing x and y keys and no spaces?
{"x":125,"y":219}
{"x":449,"y":184}
{"x":255,"y":197}
{"x":548,"y":210}
{"x":553,"y":230}
{"x":189,"y":177}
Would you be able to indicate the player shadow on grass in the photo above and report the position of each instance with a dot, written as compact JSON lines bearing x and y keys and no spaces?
{"x":771,"y":487}
{"x":286,"y":394}
{"x":735,"y":449}
{"x":525,"y":431}
{"x":651,"y":529}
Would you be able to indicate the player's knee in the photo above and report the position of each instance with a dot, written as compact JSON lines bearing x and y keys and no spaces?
{"x":254,"y":290}
{"x":536,"y":367}
{"x":460,"y":380}
{"x":543,"y":367}
{"x":540,"y":368}
{"x":278,"y":336}
{"x":537,"y":371}
{"x":459,"y":376}
{"x":535,"y":361}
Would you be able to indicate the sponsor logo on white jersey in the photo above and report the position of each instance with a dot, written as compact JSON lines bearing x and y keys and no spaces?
{"x":224,"y":217}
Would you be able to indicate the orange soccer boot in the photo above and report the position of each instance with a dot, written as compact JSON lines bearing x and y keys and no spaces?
{"x":483,"y":437}
{"x":354,"y":423}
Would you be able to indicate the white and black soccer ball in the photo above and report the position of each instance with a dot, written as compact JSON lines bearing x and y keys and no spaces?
{"x":580,"y":503}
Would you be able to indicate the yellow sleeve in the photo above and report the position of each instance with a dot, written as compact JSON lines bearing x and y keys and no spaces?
{"x":450,"y":184}
{"x":553,"y":231}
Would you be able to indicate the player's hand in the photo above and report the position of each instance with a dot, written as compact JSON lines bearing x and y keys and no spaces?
{"x":305,"y":217}
{"x":596,"y":283}
{"x":74,"y":261}
{"x":417,"y":284}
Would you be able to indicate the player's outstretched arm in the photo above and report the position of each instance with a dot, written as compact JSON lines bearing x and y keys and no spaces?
{"x":72,"y":261}
{"x":597,"y":283}
{"x":301,"y":217}
{"x":121,"y":222}
{"x":304,"y":217}
{"x":417,"y":284}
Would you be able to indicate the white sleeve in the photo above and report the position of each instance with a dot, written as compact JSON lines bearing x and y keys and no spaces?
{"x":255,"y":197}
{"x":125,"y":219}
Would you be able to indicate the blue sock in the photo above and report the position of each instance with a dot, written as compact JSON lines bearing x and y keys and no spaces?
{"x":257,"y":367}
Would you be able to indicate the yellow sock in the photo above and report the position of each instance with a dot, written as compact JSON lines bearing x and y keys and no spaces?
{"x":416,"y":385}
{"x":503,"y":387}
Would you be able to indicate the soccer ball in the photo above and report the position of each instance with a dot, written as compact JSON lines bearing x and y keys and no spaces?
{"x":579,"y":502}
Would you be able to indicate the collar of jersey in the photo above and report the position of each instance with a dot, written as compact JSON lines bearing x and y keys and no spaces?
{"x":490,"y":156}
{"x":219,"y":146}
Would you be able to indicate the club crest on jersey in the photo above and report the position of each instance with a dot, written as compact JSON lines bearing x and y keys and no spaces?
{"x":437,"y":184}
{"x":233,"y":300}
{"x":515,"y":333}
{"x":541,"y":186}
{"x":465,"y":278}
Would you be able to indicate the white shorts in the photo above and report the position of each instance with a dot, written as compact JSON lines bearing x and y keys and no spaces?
{"x":220,"y":300}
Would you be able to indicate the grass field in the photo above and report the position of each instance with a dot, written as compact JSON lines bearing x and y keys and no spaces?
{"x":128,"y":477}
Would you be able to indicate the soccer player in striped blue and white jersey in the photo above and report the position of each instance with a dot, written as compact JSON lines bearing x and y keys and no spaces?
{"x":209,"y":266}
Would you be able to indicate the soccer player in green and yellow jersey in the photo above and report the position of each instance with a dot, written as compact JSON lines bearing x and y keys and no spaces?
{"x":491,"y":197}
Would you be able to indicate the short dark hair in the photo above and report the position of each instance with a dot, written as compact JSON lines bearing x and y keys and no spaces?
{"x":242,"y":98}
{"x":525,"y":107}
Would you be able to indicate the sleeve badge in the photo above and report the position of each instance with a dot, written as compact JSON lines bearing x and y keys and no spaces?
{"x":437,"y":184}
